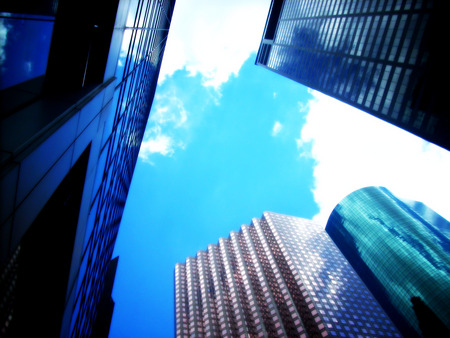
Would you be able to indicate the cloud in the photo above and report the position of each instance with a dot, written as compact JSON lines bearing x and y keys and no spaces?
{"x":164,"y":132}
{"x":276,"y":128}
{"x":214,"y":41}
{"x":171,"y":111}
{"x":159,"y":143}
{"x":353,"y":149}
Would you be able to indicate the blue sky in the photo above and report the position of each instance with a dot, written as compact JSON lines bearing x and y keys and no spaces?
{"x":227,"y":140}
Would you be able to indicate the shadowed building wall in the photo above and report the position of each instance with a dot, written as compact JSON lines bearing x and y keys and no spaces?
{"x":77,"y":80}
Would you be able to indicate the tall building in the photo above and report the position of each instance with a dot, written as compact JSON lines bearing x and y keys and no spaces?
{"x":77,"y":79}
{"x":281,"y":276}
{"x":383,"y":57}
{"x":401,"y":250}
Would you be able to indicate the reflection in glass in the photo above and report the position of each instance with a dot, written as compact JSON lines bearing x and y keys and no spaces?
{"x":24,"y":47}
{"x":398,"y":253}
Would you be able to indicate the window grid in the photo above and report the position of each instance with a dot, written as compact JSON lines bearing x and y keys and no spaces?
{"x":285,"y":277}
{"x":133,"y":98}
{"x":315,"y":39}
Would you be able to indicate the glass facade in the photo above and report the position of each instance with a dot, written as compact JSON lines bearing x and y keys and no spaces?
{"x":281,"y":276}
{"x":379,"y":56}
{"x":143,"y":40}
{"x":399,"y":254}
{"x":76,"y":136}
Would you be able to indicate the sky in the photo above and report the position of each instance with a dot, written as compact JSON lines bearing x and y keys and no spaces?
{"x":228,"y":140}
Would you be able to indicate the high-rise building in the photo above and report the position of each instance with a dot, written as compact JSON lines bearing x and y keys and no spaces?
{"x":281,"y":276}
{"x":383,"y":57}
{"x":401,"y":250}
{"x":77,"y":79}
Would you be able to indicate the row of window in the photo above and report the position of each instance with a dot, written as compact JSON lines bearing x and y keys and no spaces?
{"x":311,"y":8}
{"x":380,"y":89}
{"x":394,"y":38}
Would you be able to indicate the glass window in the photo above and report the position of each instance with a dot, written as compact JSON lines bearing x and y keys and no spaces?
{"x":23,"y":35}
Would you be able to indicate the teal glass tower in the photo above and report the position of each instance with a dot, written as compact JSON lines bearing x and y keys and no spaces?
{"x":401,"y":250}
{"x":382,"y":57}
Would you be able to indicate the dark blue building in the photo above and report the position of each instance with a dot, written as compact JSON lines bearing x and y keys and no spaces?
{"x":77,"y":80}
{"x":383,"y":57}
{"x":401,"y":250}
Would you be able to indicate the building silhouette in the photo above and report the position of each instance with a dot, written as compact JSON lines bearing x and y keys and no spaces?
{"x":77,"y":80}
{"x":281,"y":276}
{"x":382,"y":57}
{"x":400,"y":249}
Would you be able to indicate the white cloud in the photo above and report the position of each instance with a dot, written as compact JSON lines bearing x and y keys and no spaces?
{"x":161,"y":144}
{"x":214,"y":41}
{"x":170,"y":111}
{"x":276,"y":128}
{"x":165,"y":127}
{"x":353,"y":149}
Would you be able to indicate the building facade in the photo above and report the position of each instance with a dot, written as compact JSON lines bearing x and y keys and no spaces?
{"x":281,"y":276}
{"x":400,"y":249}
{"x":76,"y":86}
{"x":382,"y":57}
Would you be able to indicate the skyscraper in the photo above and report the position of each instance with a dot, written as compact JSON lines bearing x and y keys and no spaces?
{"x":382,"y":57}
{"x":76,"y":85}
{"x":400,"y":249}
{"x":281,"y":276}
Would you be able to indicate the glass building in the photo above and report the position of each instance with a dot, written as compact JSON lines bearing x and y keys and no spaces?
{"x":281,"y":276}
{"x":401,"y":250}
{"x":77,"y":80}
{"x":383,"y":57}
